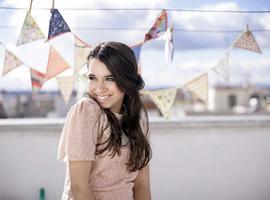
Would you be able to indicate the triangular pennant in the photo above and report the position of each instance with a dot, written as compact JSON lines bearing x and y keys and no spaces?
{"x":58,"y":25}
{"x":66,"y":85}
{"x":247,"y":41}
{"x":159,"y":27}
{"x":56,"y":64}
{"x":37,"y":79}
{"x":30,"y":31}
{"x":137,"y":50}
{"x":11,"y":62}
{"x":82,"y":50}
{"x":222,"y":67}
{"x":199,"y":87}
{"x":164,"y":100}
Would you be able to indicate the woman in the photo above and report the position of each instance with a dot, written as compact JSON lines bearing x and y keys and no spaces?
{"x":105,"y":138}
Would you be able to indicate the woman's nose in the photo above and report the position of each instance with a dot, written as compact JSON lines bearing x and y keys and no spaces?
{"x":101,"y":87}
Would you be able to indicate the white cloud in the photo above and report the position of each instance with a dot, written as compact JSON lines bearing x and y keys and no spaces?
{"x":215,"y":21}
{"x":218,"y":21}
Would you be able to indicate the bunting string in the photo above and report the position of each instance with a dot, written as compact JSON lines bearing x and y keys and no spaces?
{"x":52,"y":4}
{"x":30,"y":7}
{"x":149,"y":9}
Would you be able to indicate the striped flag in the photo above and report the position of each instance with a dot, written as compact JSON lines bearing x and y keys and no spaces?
{"x":37,"y":80}
{"x":199,"y":87}
{"x":82,"y":49}
{"x":222,"y":67}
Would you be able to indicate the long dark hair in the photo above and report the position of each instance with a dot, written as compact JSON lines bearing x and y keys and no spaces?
{"x":121,"y":62}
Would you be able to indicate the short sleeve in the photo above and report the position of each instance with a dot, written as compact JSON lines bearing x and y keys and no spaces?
{"x":79,"y":135}
{"x":144,"y":124}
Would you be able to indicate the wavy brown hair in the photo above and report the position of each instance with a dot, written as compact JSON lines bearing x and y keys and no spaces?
{"x":121,"y":62}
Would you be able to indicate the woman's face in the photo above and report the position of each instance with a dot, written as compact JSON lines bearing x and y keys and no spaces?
{"x":103,"y":87}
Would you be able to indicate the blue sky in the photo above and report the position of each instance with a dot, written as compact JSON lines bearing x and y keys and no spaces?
{"x":195,"y":52}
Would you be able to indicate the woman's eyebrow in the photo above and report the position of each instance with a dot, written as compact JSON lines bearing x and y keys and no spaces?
{"x":109,"y":76}
{"x":106,"y":76}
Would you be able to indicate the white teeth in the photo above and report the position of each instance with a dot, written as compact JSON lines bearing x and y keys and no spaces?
{"x":103,"y":98}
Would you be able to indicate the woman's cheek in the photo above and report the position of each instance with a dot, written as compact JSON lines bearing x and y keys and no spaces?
{"x":91,"y":85}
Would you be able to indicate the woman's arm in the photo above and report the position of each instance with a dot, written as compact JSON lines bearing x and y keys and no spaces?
{"x":141,"y":190}
{"x":79,"y":180}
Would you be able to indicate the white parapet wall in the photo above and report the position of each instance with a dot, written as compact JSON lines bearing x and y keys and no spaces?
{"x":194,"y":158}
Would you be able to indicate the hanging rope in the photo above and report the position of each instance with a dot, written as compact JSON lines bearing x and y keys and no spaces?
{"x":30,"y":7}
{"x":52,"y":4}
{"x":147,"y":9}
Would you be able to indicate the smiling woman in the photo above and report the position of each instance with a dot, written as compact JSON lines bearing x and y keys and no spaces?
{"x":103,"y":87}
{"x":105,"y":138}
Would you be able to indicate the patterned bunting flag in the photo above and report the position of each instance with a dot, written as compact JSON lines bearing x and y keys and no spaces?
{"x":164,"y":100}
{"x":82,"y":49}
{"x":11,"y":62}
{"x":247,"y":41}
{"x":37,"y":79}
{"x":66,"y":85}
{"x":30,"y":31}
{"x":169,"y":49}
{"x":159,"y":27}
{"x":222,"y":67}
{"x":137,"y":50}
{"x":58,"y":25}
{"x":199,"y":87}
{"x":56,"y":64}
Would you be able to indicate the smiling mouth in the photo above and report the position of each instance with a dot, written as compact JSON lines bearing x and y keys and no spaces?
{"x":103,"y":99}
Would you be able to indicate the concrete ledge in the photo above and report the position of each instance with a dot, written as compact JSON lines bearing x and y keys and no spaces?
{"x":56,"y":124}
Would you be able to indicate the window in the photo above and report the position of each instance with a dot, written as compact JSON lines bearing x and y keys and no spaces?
{"x":232,"y":101}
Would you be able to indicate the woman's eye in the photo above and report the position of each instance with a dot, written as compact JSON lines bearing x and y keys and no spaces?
{"x":110,"y":79}
{"x":91,"y":77}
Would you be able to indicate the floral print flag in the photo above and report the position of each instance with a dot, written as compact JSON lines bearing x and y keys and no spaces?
{"x":11,"y":62}
{"x":30,"y":31}
{"x":247,"y":41}
{"x":164,"y":100}
{"x":58,"y":25}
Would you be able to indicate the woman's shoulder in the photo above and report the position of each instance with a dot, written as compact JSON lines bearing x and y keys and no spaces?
{"x":87,"y":105}
{"x":144,"y":122}
{"x":87,"y":101}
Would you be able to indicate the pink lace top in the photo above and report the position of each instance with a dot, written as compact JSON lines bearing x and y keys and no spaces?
{"x":109,"y":177}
